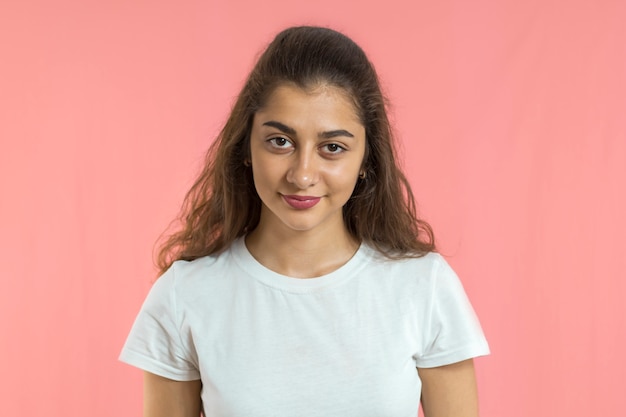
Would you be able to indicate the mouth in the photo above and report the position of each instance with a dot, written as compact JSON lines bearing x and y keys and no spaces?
{"x":301,"y":202}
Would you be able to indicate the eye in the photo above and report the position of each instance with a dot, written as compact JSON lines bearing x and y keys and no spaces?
{"x":333,"y":148}
{"x":279,"y":142}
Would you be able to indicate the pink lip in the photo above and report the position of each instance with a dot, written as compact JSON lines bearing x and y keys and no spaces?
{"x":301,"y":202}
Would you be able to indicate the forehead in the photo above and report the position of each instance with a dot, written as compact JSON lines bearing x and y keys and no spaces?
{"x":321,"y":100}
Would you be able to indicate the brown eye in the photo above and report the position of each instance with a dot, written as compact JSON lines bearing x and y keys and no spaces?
{"x":333,"y":148}
{"x":280,"y":142}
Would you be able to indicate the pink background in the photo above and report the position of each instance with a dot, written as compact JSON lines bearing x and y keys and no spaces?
{"x":512,"y":117}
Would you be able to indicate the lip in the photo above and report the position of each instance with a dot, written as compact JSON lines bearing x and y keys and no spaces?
{"x":301,"y":202}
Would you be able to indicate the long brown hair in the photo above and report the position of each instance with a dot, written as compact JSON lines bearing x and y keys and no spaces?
{"x":223,"y":205}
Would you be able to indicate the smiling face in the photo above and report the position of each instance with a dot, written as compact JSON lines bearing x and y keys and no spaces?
{"x":307,"y":149}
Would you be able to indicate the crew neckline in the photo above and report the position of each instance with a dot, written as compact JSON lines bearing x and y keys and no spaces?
{"x":273,"y":279}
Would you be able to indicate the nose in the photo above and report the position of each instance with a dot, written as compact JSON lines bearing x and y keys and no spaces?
{"x":304,"y":171}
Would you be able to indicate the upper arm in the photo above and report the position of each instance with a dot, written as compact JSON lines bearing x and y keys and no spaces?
{"x":450,"y":390}
{"x":163,"y":397}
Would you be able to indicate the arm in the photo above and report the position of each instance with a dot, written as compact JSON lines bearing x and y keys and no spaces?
{"x":450,"y":390}
{"x":164,"y":397}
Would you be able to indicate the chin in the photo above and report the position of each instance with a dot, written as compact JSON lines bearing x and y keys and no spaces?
{"x":300,"y":228}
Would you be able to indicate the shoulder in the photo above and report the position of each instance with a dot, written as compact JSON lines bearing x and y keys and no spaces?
{"x":429,"y":275}
{"x":422,"y":279}
{"x":411,"y":279}
{"x":424,"y":267}
{"x":185,"y":278}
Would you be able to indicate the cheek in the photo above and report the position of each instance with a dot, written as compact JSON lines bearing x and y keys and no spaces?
{"x":345,"y":173}
{"x":265,"y":174}
{"x":342,"y":180}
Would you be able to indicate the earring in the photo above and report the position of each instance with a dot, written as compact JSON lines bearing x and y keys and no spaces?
{"x":246,"y":162}
{"x":362,"y":174}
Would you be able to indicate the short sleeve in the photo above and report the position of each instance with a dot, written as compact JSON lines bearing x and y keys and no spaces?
{"x":155,"y":343}
{"x":453,"y":332}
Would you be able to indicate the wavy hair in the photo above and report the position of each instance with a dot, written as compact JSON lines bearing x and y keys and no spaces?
{"x":223,"y":205}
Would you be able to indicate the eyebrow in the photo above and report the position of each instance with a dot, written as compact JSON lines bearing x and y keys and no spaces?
{"x":291,"y":131}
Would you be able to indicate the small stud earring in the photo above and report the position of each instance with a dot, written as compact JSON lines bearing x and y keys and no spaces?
{"x":246,"y":162}
{"x":362,"y":175}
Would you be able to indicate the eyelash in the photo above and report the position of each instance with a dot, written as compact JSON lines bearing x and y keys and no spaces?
{"x":273,"y":142}
{"x":339,"y":149}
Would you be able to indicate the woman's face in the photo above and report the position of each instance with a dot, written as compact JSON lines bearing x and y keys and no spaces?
{"x":307,"y":150}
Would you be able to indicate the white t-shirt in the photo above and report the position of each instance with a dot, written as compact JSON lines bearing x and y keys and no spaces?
{"x":344,"y":344}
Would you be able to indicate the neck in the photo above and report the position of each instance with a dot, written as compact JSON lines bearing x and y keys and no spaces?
{"x":306,"y":254}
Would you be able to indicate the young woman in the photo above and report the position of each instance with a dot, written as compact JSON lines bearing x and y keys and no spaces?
{"x":301,"y":282}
